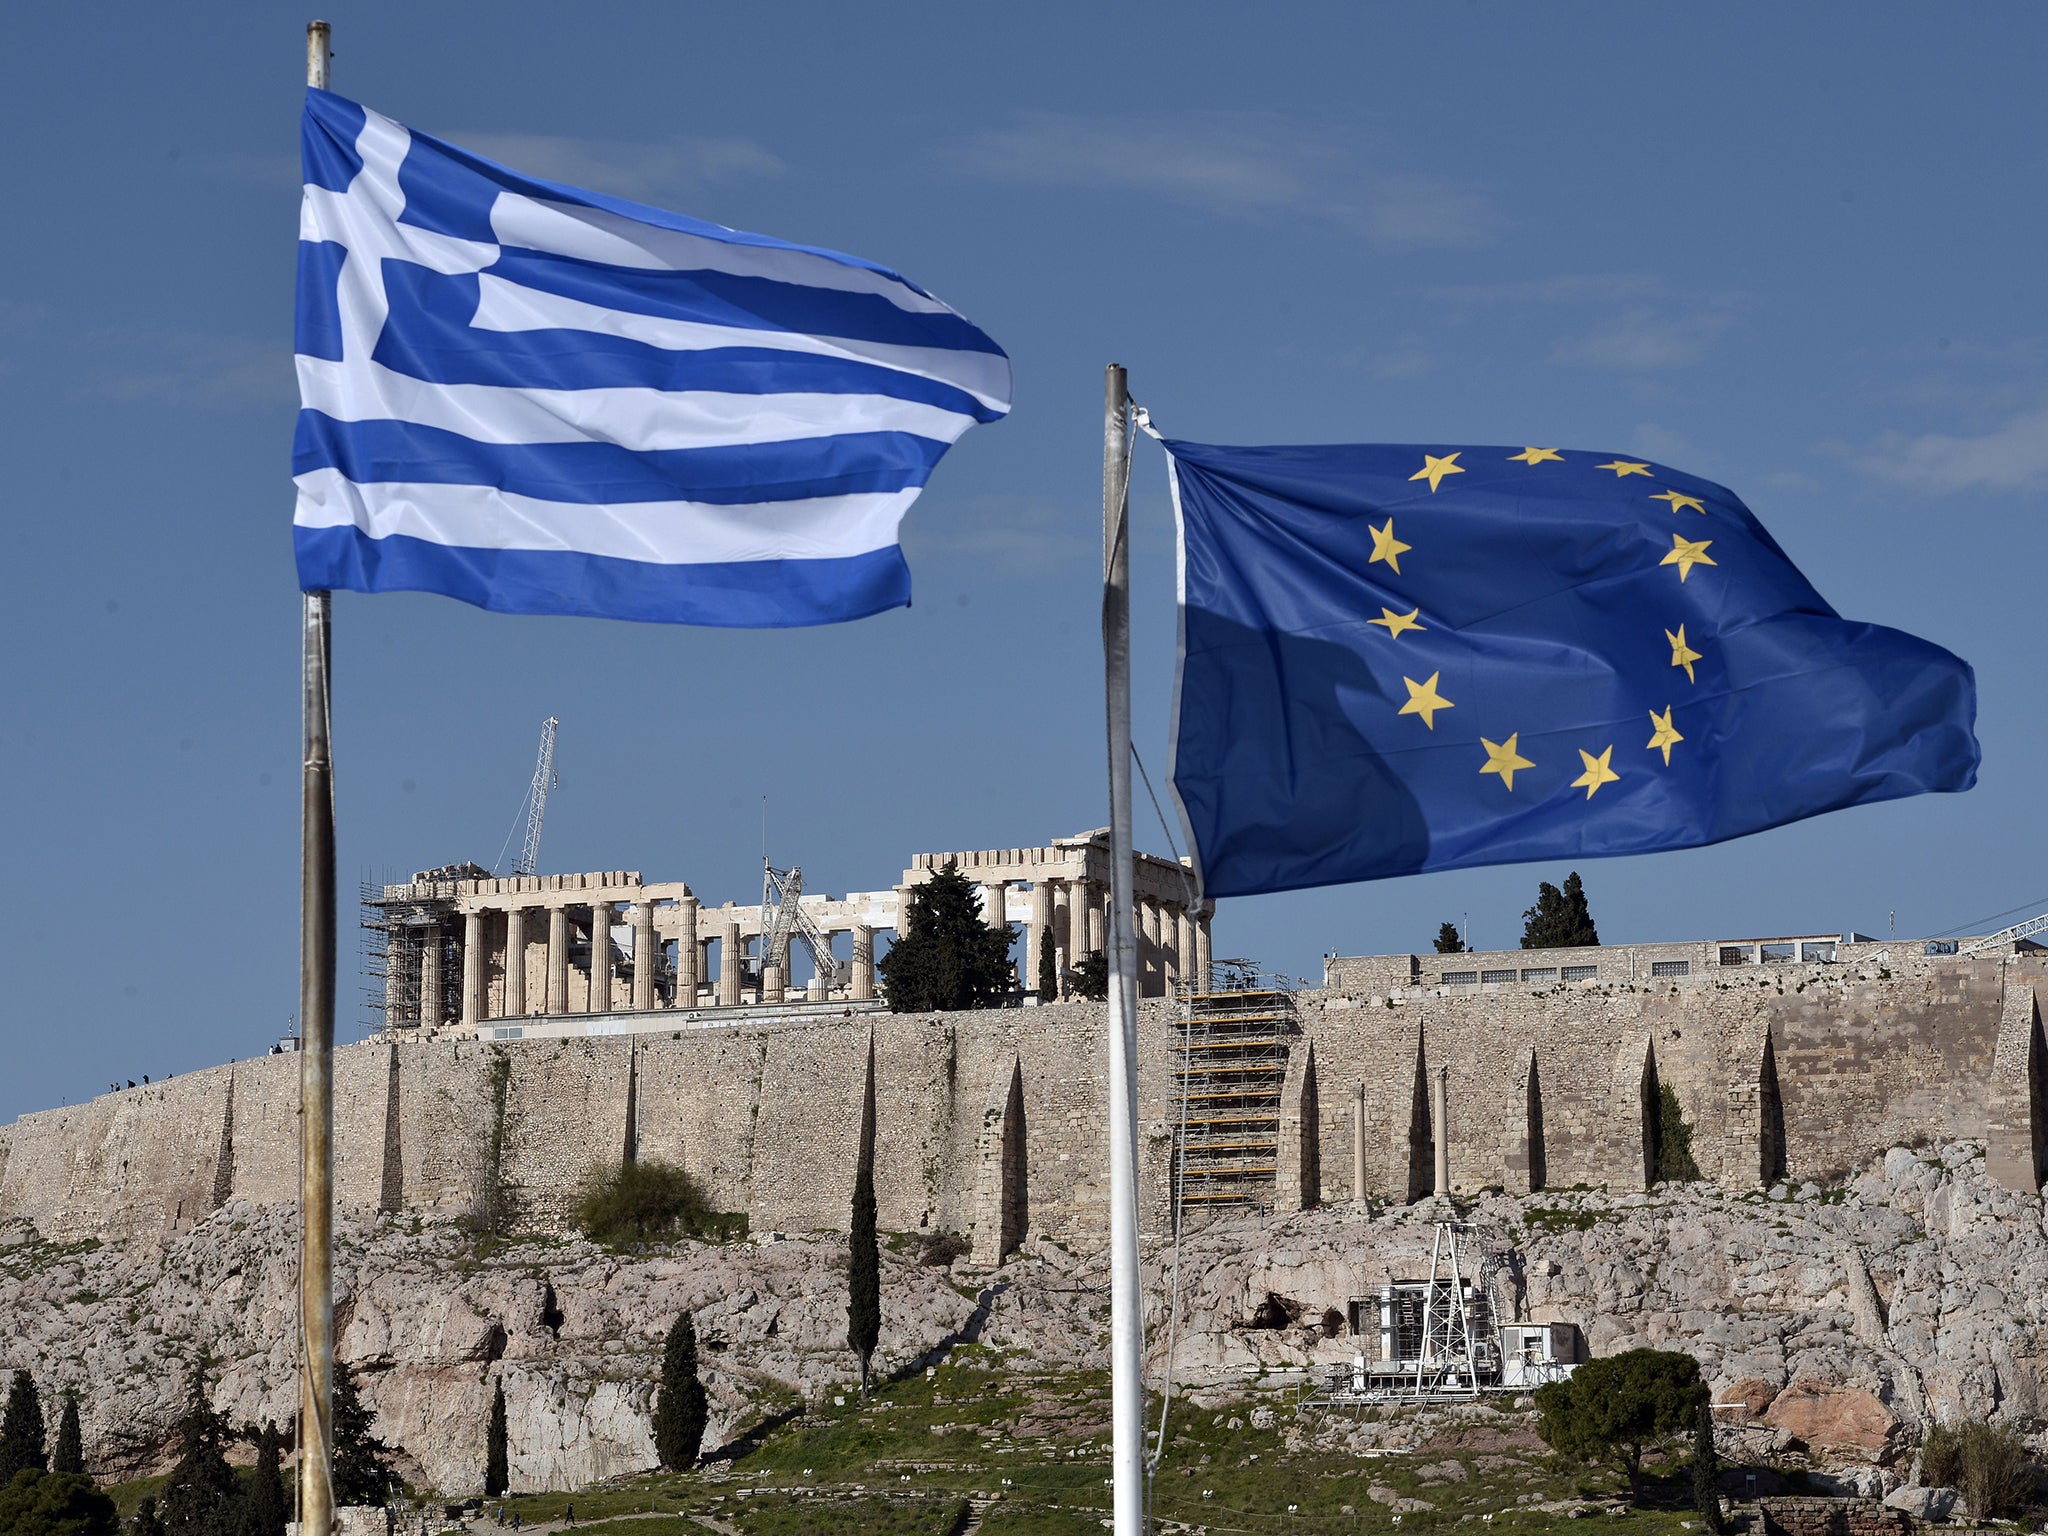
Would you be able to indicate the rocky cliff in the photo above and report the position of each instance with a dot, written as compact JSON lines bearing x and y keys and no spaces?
{"x":1833,"y":1321}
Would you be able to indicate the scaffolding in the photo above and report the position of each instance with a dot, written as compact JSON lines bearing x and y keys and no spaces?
{"x":399,"y":922}
{"x":1230,"y":1063}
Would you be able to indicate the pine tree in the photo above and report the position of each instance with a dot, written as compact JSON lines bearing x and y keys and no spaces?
{"x":146,"y":1521}
{"x":949,"y":958}
{"x":1447,"y":940}
{"x":21,"y":1431}
{"x":265,"y":1508}
{"x":1560,"y":919}
{"x":497,"y":1449}
{"x":202,"y":1496}
{"x":69,"y":1454}
{"x":863,"y":1251}
{"x":1091,"y":976}
{"x":680,"y":1411}
{"x":1706,"y":1470}
{"x":1048,"y":969}
{"x":362,"y":1465}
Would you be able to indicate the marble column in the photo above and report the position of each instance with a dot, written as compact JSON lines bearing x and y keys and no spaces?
{"x":1063,"y":955}
{"x":709,"y":978}
{"x":774,"y":969}
{"x":600,"y":957}
{"x":558,"y":959}
{"x":1186,"y":952}
{"x":729,"y":964}
{"x":995,"y":896}
{"x":515,"y":963}
{"x":862,"y":977}
{"x":687,"y":953}
{"x":472,"y":969}
{"x":1440,"y":1126}
{"x":902,"y":913}
{"x":1038,"y":938}
{"x":1205,"y":965}
{"x":646,"y":954}
{"x":1097,"y":925}
{"x":1151,"y":973}
{"x":430,"y":976}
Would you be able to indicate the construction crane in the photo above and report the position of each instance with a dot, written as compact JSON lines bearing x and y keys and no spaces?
{"x":2026,"y":930}
{"x":783,"y":917}
{"x":537,"y":799}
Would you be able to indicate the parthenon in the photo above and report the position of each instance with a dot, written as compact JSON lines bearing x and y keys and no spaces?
{"x":458,"y":949}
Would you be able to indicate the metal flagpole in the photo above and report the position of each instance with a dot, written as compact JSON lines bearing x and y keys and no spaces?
{"x":316,"y":1042}
{"x":1126,"y":1320}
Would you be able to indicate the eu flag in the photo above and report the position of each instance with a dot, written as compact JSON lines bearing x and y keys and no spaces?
{"x":1396,"y":659}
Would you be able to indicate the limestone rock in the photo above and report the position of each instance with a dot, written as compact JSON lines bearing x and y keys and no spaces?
{"x":1923,"y":1503}
{"x":1834,"y":1418}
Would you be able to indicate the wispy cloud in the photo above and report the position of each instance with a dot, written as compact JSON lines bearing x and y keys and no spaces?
{"x":1633,"y":323}
{"x":626,"y":168}
{"x":2010,"y":457}
{"x":1241,"y":164}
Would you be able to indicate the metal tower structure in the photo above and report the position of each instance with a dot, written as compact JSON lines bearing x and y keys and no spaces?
{"x":2026,"y":930}
{"x":1449,"y":1366}
{"x":783,"y":918}
{"x":537,"y":800}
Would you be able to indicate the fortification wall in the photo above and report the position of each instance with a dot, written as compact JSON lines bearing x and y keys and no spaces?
{"x":991,"y":1124}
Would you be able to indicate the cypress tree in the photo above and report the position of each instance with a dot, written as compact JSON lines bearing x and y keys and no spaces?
{"x":680,"y":1409}
{"x":1048,"y":969}
{"x":1561,"y":919}
{"x":863,"y":1251}
{"x":1091,"y":976}
{"x":265,"y":1509}
{"x":146,"y":1522}
{"x":22,"y":1434}
{"x":497,"y":1451}
{"x":1448,"y":941}
{"x":362,"y":1466}
{"x":202,"y":1497}
{"x":1706,"y":1468}
{"x":949,"y":958}
{"x":69,"y":1455}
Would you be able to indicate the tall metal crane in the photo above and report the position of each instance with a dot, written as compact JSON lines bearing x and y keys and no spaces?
{"x":537,"y":799}
{"x":783,"y":917}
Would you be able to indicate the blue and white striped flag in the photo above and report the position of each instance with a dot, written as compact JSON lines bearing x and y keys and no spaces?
{"x":544,"y":400}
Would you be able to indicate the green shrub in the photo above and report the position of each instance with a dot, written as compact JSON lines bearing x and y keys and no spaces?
{"x":1674,"y":1141}
{"x":1987,"y":1463}
{"x":639,"y":1202}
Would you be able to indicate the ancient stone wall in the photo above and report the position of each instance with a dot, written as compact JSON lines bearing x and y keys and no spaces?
{"x":990,"y":1124}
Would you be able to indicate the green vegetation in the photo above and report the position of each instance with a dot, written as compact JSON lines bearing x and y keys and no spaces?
{"x":1448,"y":941}
{"x":39,"y":1503}
{"x":1987,"y":1464}
{"x":202,"y":1496}
{"x":265,"y":1504}
{"x":1616,"y":1408}
{"x":490,"y":1211}
{"x":69,"y":1453}
{"x":497,"y":1455}
{"x":680,"y":1409}
{"x":1090,"y":977}
{"x":863,"y":1252}
{"x":1560,"y":919}
{"x":1048,"y":968}
{"x":362,"y":1462}
{"x":1673,"y":1144}
{"x":950,"y":959}
{"x":22,"y":1436}
{"x":644,"y":1202}
{"x":1706,"y":1469}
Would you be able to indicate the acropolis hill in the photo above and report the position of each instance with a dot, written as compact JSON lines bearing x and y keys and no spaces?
{"x":1545,"y":1068}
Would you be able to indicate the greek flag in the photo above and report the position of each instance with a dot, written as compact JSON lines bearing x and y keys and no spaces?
{"x":540,"y":399}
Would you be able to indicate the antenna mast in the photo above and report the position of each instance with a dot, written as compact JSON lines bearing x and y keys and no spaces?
{"x":537,"y":799}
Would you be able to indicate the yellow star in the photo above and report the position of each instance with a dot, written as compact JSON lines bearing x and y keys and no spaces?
{"x":1501,"y":758}
{"x":1434,"y":469}
{"x":1597,"y":772}
{"x":1666,"y":733}
{"x":1682,"y":655}
{"x":1386,"y":547}
{"x":1396,"y":623}
{"x":1424,"y":700}
{"x":1536,"y":456}
{"x":1685,"y":554}
{"x":1679,"y":503}
{"x":1623,"y":468}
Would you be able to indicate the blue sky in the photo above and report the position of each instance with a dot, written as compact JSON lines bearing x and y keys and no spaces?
{"x":1794,"y":249}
